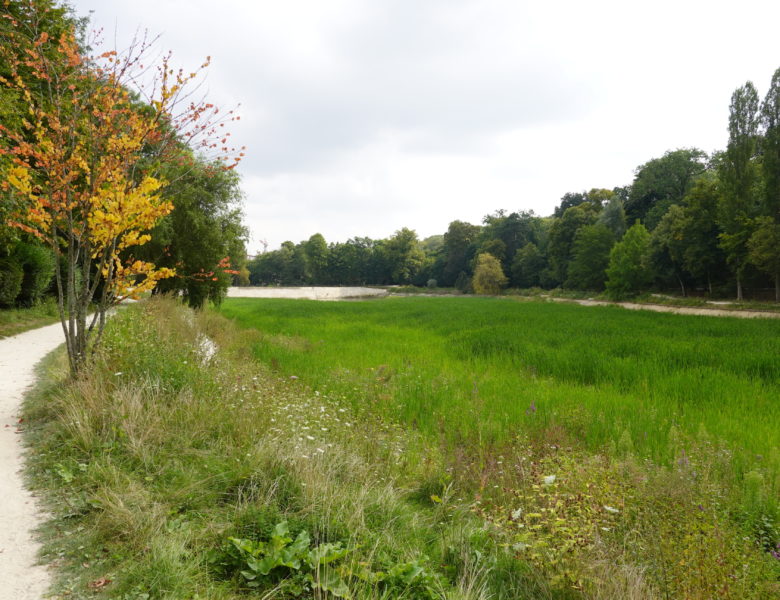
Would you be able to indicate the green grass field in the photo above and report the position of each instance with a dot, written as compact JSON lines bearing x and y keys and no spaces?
{"x":473,"y":367}
{"x":675,"y":419}
{"x":412,"y":449}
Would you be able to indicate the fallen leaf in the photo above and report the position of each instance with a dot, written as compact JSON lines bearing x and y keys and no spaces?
{"x":99,"y":583}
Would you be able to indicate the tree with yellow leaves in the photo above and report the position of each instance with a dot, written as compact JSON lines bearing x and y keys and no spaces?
{"x":81,"y":167}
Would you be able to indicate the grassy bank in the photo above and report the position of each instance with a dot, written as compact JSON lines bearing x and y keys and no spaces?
{"x":173,"y":471}
{"x":563,"y":412}
{"x":17,"y":320}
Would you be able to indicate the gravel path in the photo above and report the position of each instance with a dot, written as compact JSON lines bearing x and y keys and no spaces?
{"x":20,"y":577}
{"x":309,"y":293}
{"x":678,"y":310}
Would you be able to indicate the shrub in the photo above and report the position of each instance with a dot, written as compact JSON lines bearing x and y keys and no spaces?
{"x":37,"y":263}
{"x":463,"y":283}
{"x":432,"y":283}
{"x":11,"y":276}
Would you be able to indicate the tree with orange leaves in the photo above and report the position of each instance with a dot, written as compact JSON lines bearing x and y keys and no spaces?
{"x":82,"y":165}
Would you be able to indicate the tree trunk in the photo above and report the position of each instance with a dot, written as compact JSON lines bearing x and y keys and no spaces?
{"x":682,"y":285}
{"x":739,"y":287}
{"x":777,"y":287}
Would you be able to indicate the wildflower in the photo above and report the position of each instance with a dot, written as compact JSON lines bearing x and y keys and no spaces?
{"x":293,"y":377}
{"x":531,"y":409}
{"x":549,"y":479}
{"x":611,"y":509}
{"x":516,"y":514}
{"x":118,"y":373}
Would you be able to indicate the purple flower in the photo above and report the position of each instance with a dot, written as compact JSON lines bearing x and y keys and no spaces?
{"x":531,"y":409}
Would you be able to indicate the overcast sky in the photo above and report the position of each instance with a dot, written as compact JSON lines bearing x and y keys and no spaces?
{"x":364,"y":116}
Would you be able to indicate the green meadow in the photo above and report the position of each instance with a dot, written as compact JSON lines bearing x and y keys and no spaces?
{"x":412,"y":449}
{"x":484,"y":369}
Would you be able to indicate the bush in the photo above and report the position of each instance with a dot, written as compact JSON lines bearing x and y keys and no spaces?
{"x":11,"y":276}
{"x":489,"y":277}
{"x":37,"y":263}
{"x":432,"y":283}
{"x":463,"y":283}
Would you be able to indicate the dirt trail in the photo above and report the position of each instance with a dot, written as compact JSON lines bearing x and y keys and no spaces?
{"x":678,"y":310}
{"x":20,"y":577}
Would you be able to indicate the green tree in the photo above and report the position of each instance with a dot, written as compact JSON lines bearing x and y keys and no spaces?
{"x":590,"y":257}
{"x":764,"y":249}
{"x":613,"y":216}
{"x":513,"y":230}
{"x":661,"y":182}
{"x":203,"y":236}
{"x":569,"y":200}
{"x":668,"y":246}
{"x":770,"y":116}
{"x":403,"y":255}
{"x":561,"y":237}
{"x":488,"y":277}
{"x":316,"y":251}
{"x":458,"y":250}
{"x":629,"y":271}
{"x":702,"y":255}
{"x":528,"y":265}
{"x":495,"y":247}
{"x":739,"y":176}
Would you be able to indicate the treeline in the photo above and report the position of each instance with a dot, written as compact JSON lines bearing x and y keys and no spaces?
{"x":688,"y":221}
{"x":203,"y":238}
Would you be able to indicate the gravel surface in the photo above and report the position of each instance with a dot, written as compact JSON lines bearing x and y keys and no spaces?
{"x":310,"y":293}
{"x":20,"y":577}
{"x":679,"y":310}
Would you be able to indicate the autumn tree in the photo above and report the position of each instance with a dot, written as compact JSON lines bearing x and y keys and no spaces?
{"x":80,"y":166}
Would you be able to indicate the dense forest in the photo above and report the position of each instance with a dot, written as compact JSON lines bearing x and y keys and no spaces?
{"x":688,"y":222}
